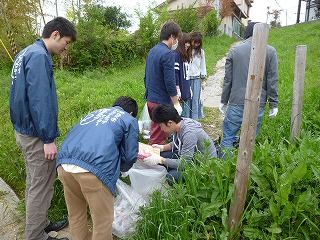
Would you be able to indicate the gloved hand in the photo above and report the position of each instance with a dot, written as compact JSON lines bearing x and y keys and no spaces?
{"x":124,"y":174}
{"x":203,"y":83}
{"x":179,"y":93}
{"x":154,"y":159}
{"x":273,"y":112}
{"x":161,"y":147}
{"x":178,"y":108}
{"x":222,"y":108}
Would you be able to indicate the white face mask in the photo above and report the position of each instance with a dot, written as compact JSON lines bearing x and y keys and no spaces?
{"x":174,"y":46}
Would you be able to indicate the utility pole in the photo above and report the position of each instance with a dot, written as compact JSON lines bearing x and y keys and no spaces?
{"x":268,"y":12}
{"x":298,"y":14}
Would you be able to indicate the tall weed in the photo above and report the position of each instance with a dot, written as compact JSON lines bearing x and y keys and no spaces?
{"x":192,"y":209}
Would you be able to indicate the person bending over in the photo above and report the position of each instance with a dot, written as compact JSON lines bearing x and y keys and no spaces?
{"x":101,"y":145}
{"x":188,"y":138}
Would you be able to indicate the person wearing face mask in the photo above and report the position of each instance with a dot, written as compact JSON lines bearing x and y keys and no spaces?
{"x":159,"y":77}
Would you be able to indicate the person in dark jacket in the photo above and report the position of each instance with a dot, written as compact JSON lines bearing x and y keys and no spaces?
{"x":89,"y":162}
{"x":160,"y":76}
{"x":188,"y":138}
{"x":182,"y":58}
{"x":34,"y":115}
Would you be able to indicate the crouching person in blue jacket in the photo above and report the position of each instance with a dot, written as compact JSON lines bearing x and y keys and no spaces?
{"x":89,"y":162}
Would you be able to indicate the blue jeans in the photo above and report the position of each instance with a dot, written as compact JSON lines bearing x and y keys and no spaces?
{"x":232,"y":124}
{"x":196,"y":105}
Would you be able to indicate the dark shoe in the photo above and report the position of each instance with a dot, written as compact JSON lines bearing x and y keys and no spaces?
{"x":56,"y":226}
{"x":51,"y":238}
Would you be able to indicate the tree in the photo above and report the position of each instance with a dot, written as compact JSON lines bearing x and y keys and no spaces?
{"x":210,"y":24}
{"x":150,"y":24}
{"x":18,"y":17}
{"x":206,"y":6}
{"x":276,"y":16}
{"x":226,"y":8}
{"x":115,"y":19}
{"x":187,"y":18}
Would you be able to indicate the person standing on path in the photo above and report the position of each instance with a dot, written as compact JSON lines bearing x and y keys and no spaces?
{"x":234,"y":87}
{"x":90,"y":159}
{"x":159,"y":78}
{"x":197,"y":75}
{"x":34,"y":115}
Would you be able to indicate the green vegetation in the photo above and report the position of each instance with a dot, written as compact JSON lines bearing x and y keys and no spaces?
{"x":283,"y":195}
{"x":103,"y":40}
{"x":78,"y":94}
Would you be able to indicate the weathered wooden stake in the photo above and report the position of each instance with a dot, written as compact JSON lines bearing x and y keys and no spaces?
{"x":249,"y":124}
{"x":298,"y":89}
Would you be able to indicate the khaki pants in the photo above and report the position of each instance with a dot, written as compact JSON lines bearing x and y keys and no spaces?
{"x":82,"y":190}
{"x":41,"y":174}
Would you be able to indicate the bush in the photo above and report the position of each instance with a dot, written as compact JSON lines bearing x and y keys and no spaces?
{"x":210,"y":23}
{"x":187,"y":18}
{"x":102,"y":44}
{"x":150,"y":25}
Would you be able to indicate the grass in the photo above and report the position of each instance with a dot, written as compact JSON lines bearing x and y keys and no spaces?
{"x":79,"y":95}
{"x":282,"y":200}
{"x":285,"y":41}
{"x":284,"y":186}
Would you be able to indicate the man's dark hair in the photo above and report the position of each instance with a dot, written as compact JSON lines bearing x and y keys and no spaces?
{"x":63,"y":26}
{"x":163,"y":113}
{"x":249,"y":30}
{"x":128,"y":104}
{"x":168,"y":29}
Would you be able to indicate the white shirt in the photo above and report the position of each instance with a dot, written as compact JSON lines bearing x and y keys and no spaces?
{"x":197,"y":66}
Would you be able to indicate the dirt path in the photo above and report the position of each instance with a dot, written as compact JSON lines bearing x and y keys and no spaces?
{"x":213,"y":89}
{"x":212,"y":123}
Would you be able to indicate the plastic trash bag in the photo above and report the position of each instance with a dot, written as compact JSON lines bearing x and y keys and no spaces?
{"x":126,"y":209}
{"x":145,"y":179}
{"x":144,"y":121}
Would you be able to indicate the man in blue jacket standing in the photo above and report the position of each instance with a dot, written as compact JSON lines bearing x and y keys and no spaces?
{"x":160,"y":79}
{"x":90,"y":159}
{"x":34,"y":115}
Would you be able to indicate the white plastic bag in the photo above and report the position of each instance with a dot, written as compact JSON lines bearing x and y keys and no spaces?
{"x":126,"y":209}
{"x":145,"y":179}
{"x":144,"y":120}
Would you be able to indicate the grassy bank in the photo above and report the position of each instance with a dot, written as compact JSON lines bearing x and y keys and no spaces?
{"x":78,"y":95}
{"x":283,"y":195}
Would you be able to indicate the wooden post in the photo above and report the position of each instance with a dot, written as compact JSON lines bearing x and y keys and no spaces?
{"x":298,"y":89}
{"x":249,"y":123}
